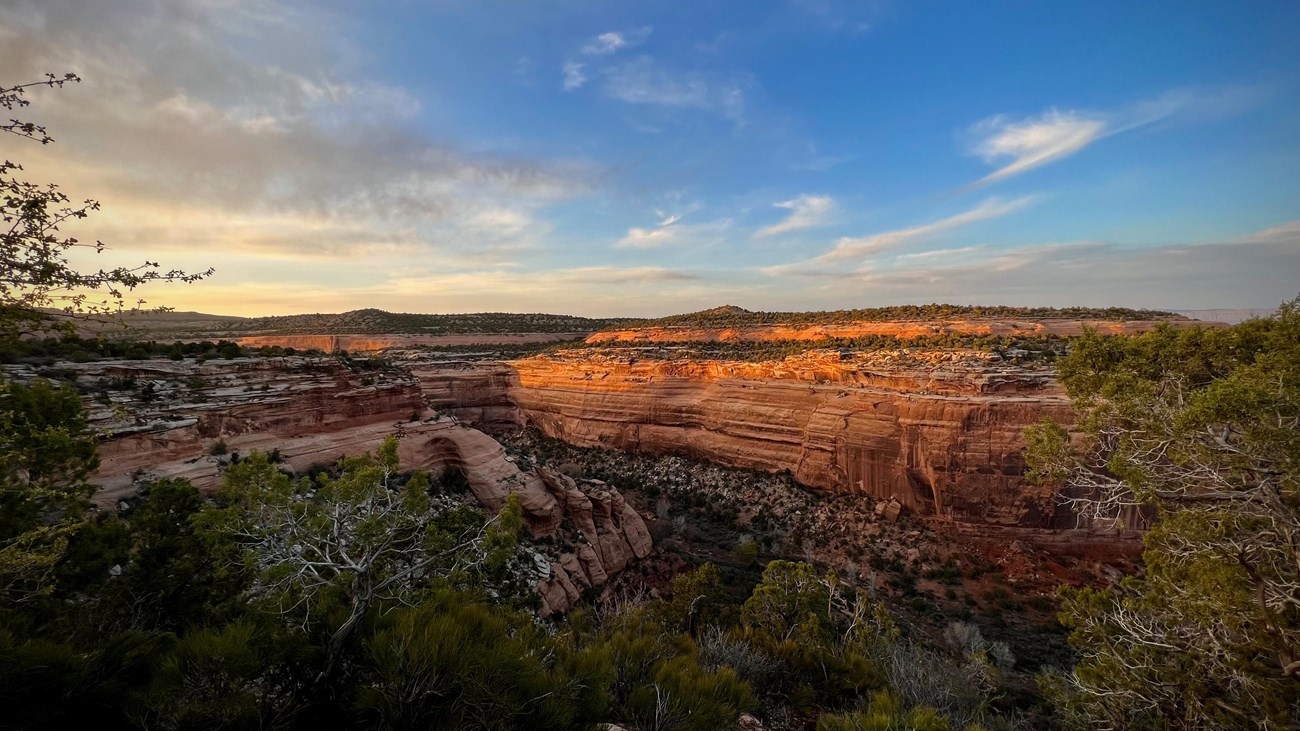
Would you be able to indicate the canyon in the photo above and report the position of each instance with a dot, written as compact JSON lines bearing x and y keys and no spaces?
{"x":934,"y":432}
{"x":937,"y":432}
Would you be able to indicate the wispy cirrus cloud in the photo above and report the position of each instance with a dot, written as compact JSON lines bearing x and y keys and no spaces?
{"x":852,"y":16}
{"x":850,"y":251}
{"x":806,"y":211}
{"x":624,"y":275}
{"x":1029,"y":143}
{"x":1020,"y":145}
{"x":1252,"y":270}
{"x":671,"y":232}
{"x":644,"y":81}
{"x":934,"y":254}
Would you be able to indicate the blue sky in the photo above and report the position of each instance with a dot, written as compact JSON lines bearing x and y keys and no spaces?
{"x":655,"y":157}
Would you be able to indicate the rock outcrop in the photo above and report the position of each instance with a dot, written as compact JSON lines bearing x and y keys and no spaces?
{"x":598,"y":533}
{"x":162,"y":419}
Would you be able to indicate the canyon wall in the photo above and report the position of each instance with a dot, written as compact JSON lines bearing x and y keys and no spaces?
{"x":164,"y":418}
{"x":475,"y":391}
{"x":940,"y":432}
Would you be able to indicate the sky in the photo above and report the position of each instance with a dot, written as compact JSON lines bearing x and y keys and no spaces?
{"x":644,"y":158}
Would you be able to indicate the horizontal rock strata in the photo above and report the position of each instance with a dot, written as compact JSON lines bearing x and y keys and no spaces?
{"x":162,"y":419}
{"x":475,"y":391}
{"x":942,"y":434}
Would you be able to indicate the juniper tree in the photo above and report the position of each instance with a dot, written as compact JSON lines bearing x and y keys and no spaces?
{"x":1201,"y":427}
{"x":333,"y":549}
{"x":46,"y":454}
{"x":39,"y":288}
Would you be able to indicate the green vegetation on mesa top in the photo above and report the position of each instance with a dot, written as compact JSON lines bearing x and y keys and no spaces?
{"x":1016,"y":347}
{"x":732,"y":316}
{"x":380,"y":321}
{"x":165,"y":325}
{"x":171,"y":325}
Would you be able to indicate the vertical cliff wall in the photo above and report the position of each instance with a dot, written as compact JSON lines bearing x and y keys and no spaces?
{"x":942,"y":437}
{"x":476,"y":392}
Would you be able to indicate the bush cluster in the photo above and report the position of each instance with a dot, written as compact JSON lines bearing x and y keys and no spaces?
{"x":47,"y":351}
{"x":1012,"y":347}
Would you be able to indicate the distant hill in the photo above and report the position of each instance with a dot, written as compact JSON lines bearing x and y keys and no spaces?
{"x":189,"y":325}
{"x":732,"y":316}
{"x":1229,"y":316}
{"x":153,"y":321}
{"x":372,"y":321}
{"x":161,"y":325}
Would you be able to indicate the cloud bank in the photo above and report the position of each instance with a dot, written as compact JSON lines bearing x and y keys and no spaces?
{"x":193,"y":144}
{"x":1247,"y":271}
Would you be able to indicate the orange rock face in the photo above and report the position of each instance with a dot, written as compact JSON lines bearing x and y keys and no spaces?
{"x":939,"y":432}
{"x":902,"y":329}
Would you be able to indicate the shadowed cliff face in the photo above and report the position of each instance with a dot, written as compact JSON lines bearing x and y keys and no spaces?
{"x":942,"y":436}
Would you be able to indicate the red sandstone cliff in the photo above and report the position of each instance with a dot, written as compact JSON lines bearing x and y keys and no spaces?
{"x":161,"y":419}
{"x":476,"y":391}
{"x":941,"y":432}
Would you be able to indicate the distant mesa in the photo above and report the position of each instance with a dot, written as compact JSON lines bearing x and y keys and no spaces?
{"x":1230,"y":316}
{"x":373,"y":328}
{"x":733,"y":316}
{"x":369,"y":321}
{"x":735,"y":324}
